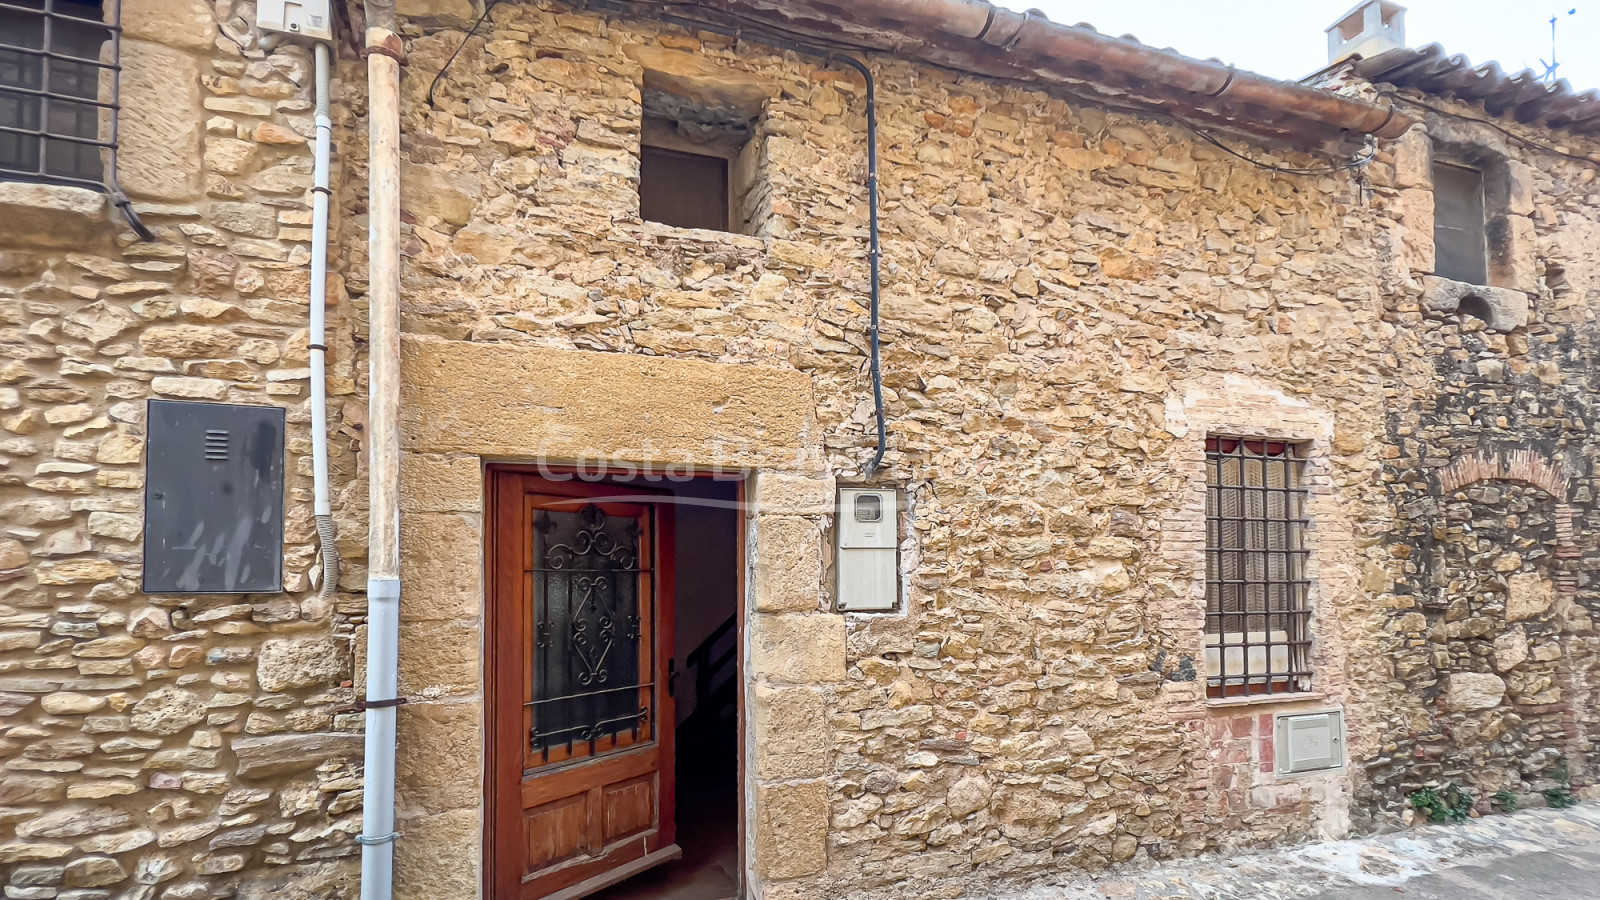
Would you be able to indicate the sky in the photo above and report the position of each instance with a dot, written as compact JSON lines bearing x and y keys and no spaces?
{"x":1284,"y":38}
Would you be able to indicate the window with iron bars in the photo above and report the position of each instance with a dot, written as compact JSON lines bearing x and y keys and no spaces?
{"x":58,"y":91}
{"x":1258,"y":614}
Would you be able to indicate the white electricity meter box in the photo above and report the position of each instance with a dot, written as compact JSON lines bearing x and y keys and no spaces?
{"x":868,"y":527}
{"x":308,"y":18}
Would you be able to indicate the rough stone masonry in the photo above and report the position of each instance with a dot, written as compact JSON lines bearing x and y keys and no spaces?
{"x":1074,"y":299}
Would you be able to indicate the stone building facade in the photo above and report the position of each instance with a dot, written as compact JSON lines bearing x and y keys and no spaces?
{"x":1075,"y":298}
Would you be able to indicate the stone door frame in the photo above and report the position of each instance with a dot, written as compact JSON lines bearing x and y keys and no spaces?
{"x":541,"y":405}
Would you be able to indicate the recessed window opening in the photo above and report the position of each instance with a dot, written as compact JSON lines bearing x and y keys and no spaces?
{"x":1460,"y":249}
{"x":1258,"y":614}
{"x":686,"y":190}
{"x":57,"y":84}
{"x":699,"y":166}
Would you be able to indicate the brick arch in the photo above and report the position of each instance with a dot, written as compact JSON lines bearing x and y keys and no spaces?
{"x":1530,"y":468}
{"x":1524,"y":466}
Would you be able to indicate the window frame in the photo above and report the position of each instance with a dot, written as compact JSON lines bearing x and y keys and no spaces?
{"x":1285,"y":536}
{"x":106,"y":133}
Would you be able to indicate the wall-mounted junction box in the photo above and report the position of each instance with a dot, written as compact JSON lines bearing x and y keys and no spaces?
{"x":311,"y":18}
{"x":1310,"y":742}
{"x":213,"y":500}
{"x":868,"y":527}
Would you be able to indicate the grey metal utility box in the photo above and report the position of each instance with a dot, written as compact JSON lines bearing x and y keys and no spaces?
{"x":213,"y":504}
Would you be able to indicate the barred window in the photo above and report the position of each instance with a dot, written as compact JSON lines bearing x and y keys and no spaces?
{"x":1258,"y":638}
{"x":58,"y":73}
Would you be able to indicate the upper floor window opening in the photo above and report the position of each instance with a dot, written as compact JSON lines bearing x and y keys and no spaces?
{"x":58,"y":79}
{"x":700,"y":162}
{"x":1461,"y":251}
{"x":1258,"y":612}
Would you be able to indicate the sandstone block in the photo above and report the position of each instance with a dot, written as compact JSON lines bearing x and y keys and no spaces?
{"x":1507,"y":309}
{"x":188,"y":341}
{"x":1414,"y":208}
{"x":792,"y":734}
{"x":444,"y":860}
{"x":791,"y":839}
{"x":99,"y":322}
{"x":75,"y":571}
{"x":26,"y":851}
{"x":435,"y":483}
{"x":443,"y":657}
{"x":244,"y":218}
{"x":440,"y":765}
{"x":440,"y":567}
{"x":1513,"y":253}
{"x":799,"y":495}
{"x":74,"y":821}
{"x":279,"y":753}
{"x":21,"y":789}
{"x":435,"y":9}
{"x":1413,"y":160}
{"x":968,"y":795}
{"x":167,"y":710}
{"x":1469,"y":691}
{"x":744,"y":415}
{"x":798,"y":648}
{"x":120,"y":449}
{"x":13,"y":556}
{"x":1511,"y":650}
{"x":286,"y":663}
{"x":788,"y":564}
{"x":94,"y":871}
{"x":428,"y":191}
{"x":179,"y":23}
{"x":1529,"y":595}
{"x":66,"y":703}
{"x":159,"y":149}
{"x":1520,"y":188}
{"x":49,"y":215}
{"x":122,"y":526}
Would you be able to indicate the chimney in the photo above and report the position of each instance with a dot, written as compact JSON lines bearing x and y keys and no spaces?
{"x":1366,"y":31}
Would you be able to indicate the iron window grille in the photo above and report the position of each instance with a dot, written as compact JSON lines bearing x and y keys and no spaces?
{"x":60,"y":75}
{"x":1258,"y":628}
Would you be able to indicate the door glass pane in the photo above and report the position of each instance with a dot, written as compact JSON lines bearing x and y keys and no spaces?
{"x":588,"y":653}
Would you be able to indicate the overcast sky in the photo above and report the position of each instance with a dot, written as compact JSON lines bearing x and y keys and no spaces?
{"x":1284,"y":38}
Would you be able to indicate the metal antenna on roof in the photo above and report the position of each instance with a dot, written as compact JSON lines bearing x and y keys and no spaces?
{"x":1551,"y":66}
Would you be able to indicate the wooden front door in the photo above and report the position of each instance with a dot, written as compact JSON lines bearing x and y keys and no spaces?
{"x":580,"y":706}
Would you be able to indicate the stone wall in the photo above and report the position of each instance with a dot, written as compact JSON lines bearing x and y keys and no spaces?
{"x":1058,"y":278}
{"x":1491,"y":468}
{"x":170,"y":746}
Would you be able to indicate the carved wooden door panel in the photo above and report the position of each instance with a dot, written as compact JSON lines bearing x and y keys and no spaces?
{"x":581,"y":717}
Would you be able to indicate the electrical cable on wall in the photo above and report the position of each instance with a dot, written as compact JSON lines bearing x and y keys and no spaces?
{"x":831,"y":56}
{"x":1525,"y":142}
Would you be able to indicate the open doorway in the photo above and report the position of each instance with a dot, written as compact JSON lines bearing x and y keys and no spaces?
{"x":614,"y":682}
{"x":707,"y":519}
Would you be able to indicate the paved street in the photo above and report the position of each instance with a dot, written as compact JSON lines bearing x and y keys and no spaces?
{"x":1530,"y":855}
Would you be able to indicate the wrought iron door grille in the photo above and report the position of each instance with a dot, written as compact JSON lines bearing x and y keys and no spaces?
{"x":1258,"y":616}
{"x":59,"y":74}
{"x":591,"y":662}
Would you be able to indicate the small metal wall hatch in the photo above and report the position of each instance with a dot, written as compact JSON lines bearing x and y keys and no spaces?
{"x":1310,"y":742}
{"x":868,"y":527}
{"x":213,"y":504}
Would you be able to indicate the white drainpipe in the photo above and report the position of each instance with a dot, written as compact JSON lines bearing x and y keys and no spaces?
{"x":384,"y":50}
{"x":319,"y":332}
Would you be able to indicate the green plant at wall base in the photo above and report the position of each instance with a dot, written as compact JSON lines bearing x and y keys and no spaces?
{"x":1447,"y":804}
{"x":1561,"y":796}
{"x":1506,"y":800}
